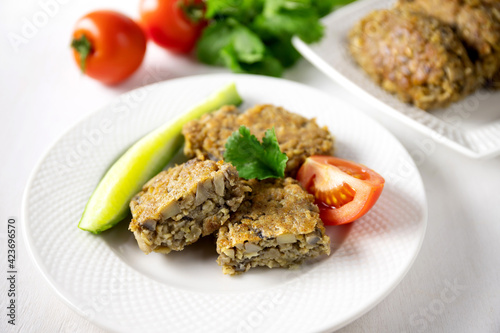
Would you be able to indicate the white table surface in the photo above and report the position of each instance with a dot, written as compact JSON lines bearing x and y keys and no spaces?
{"x":42,"y":94}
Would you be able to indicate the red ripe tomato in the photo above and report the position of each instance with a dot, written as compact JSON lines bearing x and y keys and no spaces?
{"x":173,"y":24}
{"x":108,"y":46}
{"x":344,"y":190}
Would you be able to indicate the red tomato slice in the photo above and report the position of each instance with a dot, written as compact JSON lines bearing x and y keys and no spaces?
{"x":344,"y":190}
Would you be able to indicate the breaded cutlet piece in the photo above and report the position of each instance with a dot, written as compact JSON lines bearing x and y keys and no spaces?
{"x":477,"y":23}
{"x":278,"y":225}
{"x":298,"y":137}
{"x":414,"y":56}
{"x":181,"y":204}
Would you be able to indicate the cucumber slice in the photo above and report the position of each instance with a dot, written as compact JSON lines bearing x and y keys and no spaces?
{"x":108,"y":205}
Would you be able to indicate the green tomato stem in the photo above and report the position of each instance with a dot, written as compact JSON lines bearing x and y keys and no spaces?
{"x":193,"y":11}
{"x":83,"y":46}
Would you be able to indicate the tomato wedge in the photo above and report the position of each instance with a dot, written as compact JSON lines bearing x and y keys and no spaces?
{"x":344,"y":190}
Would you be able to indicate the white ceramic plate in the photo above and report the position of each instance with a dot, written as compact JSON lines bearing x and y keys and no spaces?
{"x":471,"y":126}
{"x":107,"y":279}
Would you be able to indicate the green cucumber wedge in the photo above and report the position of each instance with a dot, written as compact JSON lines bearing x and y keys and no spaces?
{"x":109,"y":204}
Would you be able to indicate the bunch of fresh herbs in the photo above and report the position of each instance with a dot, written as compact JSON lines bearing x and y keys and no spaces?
{"x":254,"y":36}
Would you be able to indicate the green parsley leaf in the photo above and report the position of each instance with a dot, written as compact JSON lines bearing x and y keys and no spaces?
{"x":241,"y":10}
{"x":275,"y":6}
{"x":267,"y":66}
{"x":253,"y":159}
{"x":284,"y":24}
{"x":215,"y":37}
{"x":221,"y":36}
{"x":230,"y":59}
{"x":222,"y":7}
{"x":247,"y":45}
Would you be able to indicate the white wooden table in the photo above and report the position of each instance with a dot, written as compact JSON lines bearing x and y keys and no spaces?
{"x":454,"y":285}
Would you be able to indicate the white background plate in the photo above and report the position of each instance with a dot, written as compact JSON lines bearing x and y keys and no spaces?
{"x":471,"y":126}
{"x":109,"y":281}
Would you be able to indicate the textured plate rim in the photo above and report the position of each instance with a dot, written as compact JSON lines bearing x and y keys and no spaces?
{"x":331,"y":71}
{"x":108,"y":325}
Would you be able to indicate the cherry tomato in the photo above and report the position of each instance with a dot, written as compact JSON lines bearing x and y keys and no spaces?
{"x":344,"y":190}
{"x":108,"y":46}
{"x":173,"y":24}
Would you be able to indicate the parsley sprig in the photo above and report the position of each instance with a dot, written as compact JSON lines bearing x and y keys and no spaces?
{"x":254,"y":159}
